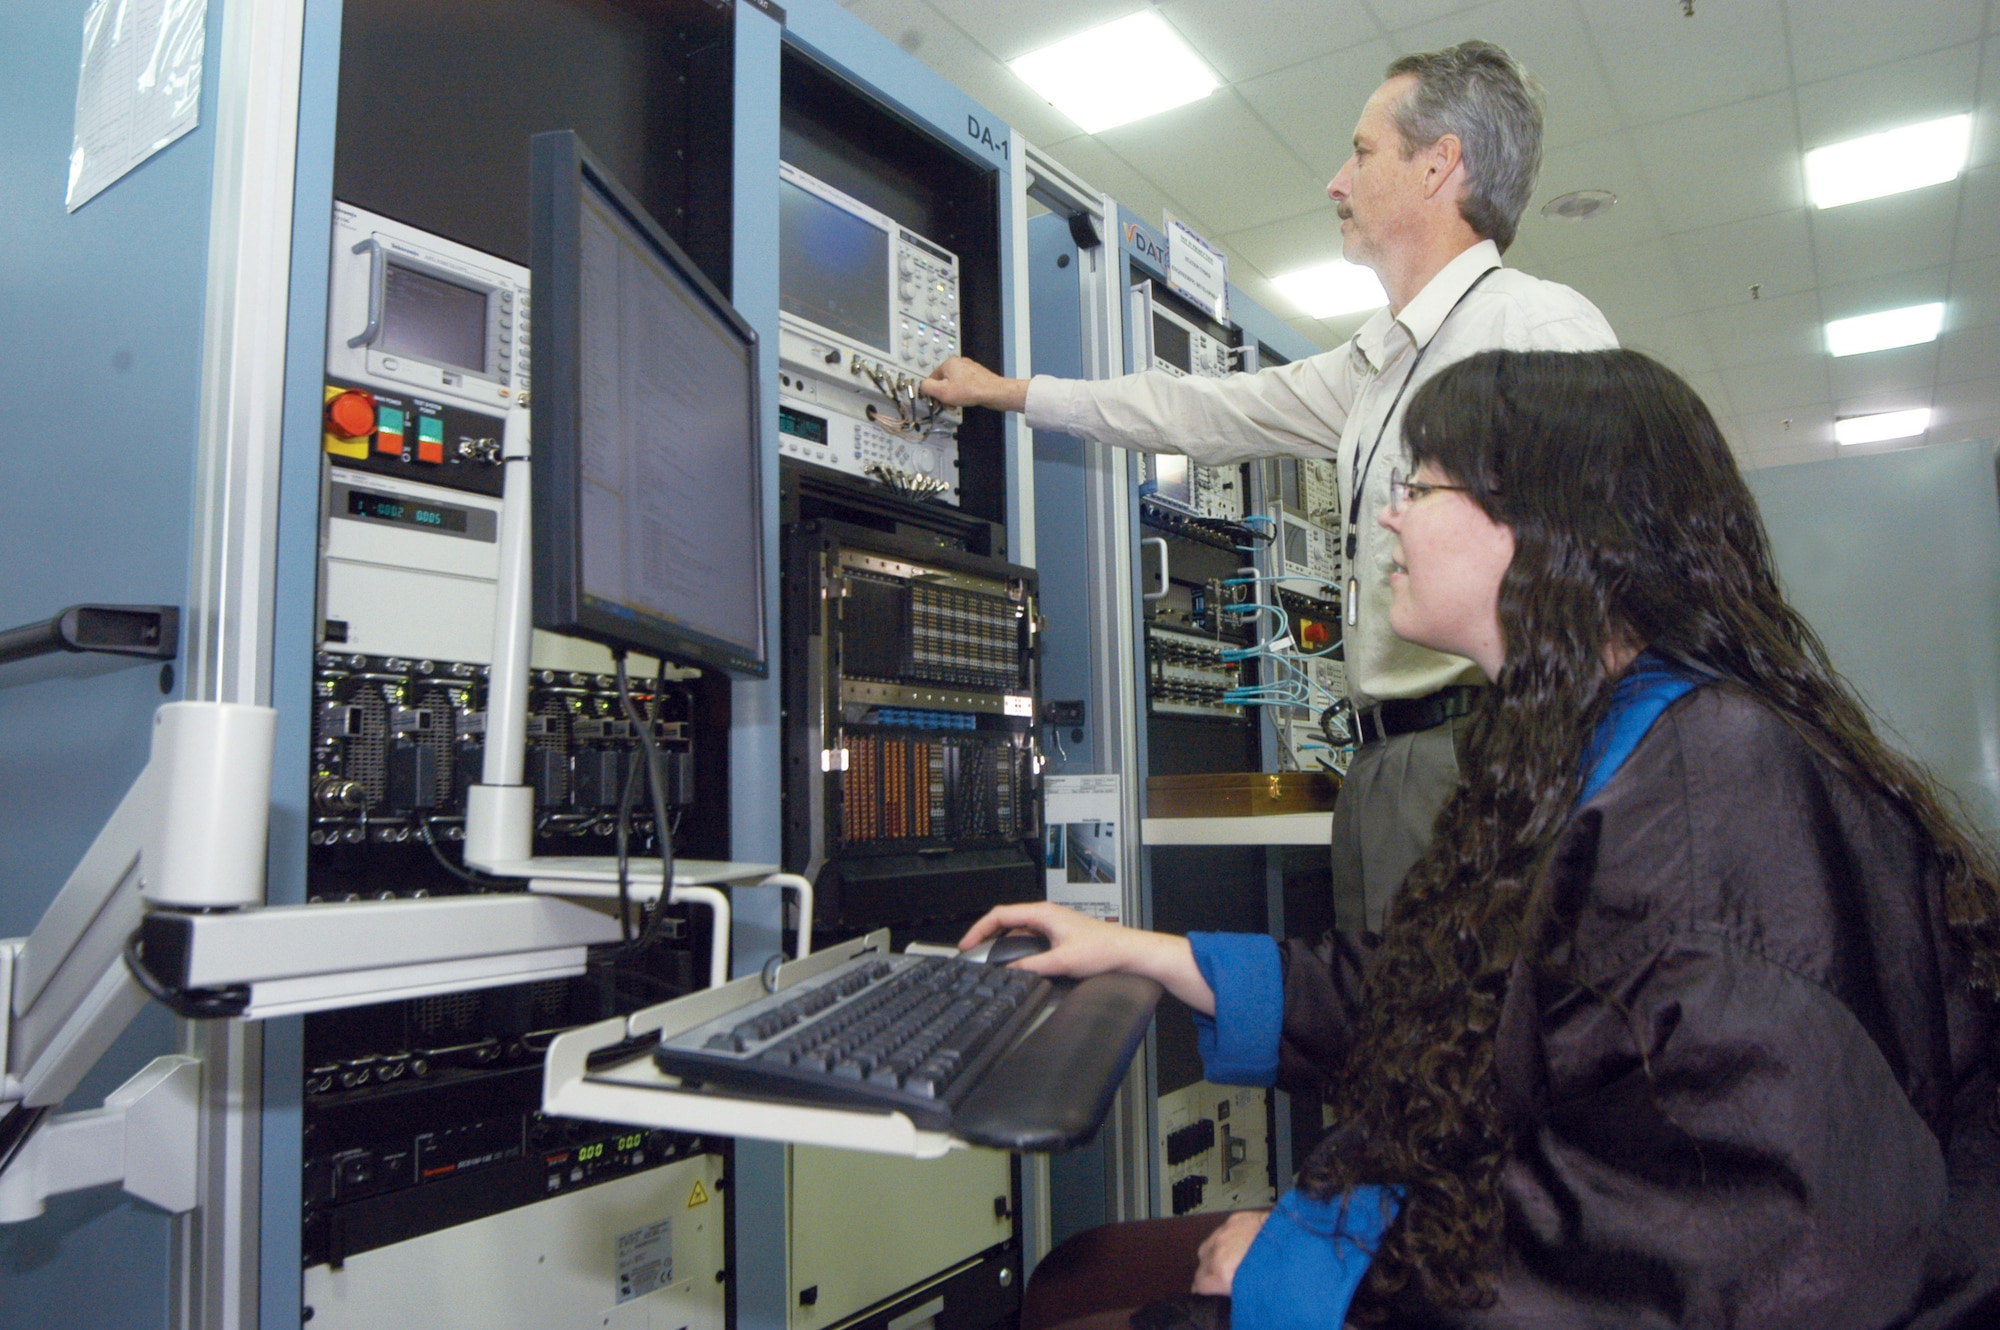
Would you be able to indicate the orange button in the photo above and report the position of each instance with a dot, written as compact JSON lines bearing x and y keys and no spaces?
{"x":351,"y":414}
{"x":430,"y":450}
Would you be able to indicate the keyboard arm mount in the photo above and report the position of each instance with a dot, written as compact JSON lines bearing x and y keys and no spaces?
{"x":167,"y":903}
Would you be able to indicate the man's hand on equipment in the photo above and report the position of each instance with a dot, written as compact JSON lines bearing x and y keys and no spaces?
{"x":962,"y":382}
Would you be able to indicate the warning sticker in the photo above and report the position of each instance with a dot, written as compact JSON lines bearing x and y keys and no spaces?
{"x":699,"y":1196}
{"x":645,"y":1260}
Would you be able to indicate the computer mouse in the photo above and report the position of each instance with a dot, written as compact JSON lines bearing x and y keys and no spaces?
{"x":1006,"y":948}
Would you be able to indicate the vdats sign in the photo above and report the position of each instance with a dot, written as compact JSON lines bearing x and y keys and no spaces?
{"x":1148,"y":246}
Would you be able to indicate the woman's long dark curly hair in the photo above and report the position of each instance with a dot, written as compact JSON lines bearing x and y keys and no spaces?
{"x":1632,"y":527}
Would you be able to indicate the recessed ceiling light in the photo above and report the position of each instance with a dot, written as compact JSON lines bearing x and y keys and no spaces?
{"x":1888,"y":163}
{"x":1580,"y":205}
{"x":1123,"y":71}
{"x":1878,"y":332}
{"x":1883,"y":427}
{"x":1332,"y":289}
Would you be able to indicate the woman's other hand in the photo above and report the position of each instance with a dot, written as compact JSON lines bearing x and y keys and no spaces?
{"x":1222,"y":1252}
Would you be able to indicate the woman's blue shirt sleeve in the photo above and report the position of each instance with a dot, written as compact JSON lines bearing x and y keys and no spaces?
{"x":1239,"y":1044}
{"x":1307,"y":1261}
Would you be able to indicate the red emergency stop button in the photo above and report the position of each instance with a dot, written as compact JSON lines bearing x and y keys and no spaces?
{"x":1314,"y":634}
{"x":351,"y":414}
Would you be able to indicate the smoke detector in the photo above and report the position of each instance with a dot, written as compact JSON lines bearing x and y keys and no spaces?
{"x":1580,"y":205}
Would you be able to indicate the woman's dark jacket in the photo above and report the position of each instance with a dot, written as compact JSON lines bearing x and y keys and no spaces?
{"x":1810,"y":1136}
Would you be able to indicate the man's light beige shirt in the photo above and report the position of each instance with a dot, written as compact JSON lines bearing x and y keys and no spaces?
{"x":1331,"y":406}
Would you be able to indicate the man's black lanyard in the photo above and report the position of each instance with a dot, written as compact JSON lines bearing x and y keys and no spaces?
{"x":1361,"y":469}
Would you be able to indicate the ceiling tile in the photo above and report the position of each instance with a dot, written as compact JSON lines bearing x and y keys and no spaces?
{"x":946,"y":48}
{"x":1760,"y":332}
{"x":1880,"y":237}
{"x":1985,"y":132}
{"x":1104,"y":169}
{"x":1602,"y":163}
{"x":1021,"y":26}
{"x":1773,"y":253}
{"x":1396,"y":15}
{"x":1633,"y":285}
{"x":1296,"y":242}
{"x":1313,"y":106}
{"x":1724,"y":165}
{"x":1241,"y":39}
{"x":1796,"y":434}
{"x":1958,"y":409}
{"x":1894,"y":399}
{"x":1680,"y":343}
{"x":1889,"y":96}
{"x":1842,"y":300}
{"x":1978,"y":235}
{"x":1902,"y":369}
{"x":1975,"y":294}
{"x":1662,"y":64}
{"x":1778,"y":385}
{"x":1713,"y":393}
{"x":1832,"y":37}
{"x":1222,"y":159}
{"x":1968,"y":353}
{"x":1542,"y":35}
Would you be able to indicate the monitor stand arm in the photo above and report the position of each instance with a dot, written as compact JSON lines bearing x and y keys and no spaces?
{"x":500,"y":810}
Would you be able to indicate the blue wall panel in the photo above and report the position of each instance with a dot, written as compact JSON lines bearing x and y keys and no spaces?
{"x":100,"y":354}
{"x":1895,"y":561}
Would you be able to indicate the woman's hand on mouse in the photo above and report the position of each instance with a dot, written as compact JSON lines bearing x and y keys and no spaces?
{"x":1080,"y":946}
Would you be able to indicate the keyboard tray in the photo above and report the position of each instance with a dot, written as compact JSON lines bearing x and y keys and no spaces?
{"x":1047,"y":1091}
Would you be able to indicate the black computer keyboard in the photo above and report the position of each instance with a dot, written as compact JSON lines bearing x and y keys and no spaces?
{"x":909,"y":1033}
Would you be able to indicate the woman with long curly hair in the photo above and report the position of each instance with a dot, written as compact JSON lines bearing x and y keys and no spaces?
{"x":1689,"y":1015}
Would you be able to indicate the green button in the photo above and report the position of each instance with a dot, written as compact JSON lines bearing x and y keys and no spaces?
{"x":389,"y":419}
{"x":430,"y":429}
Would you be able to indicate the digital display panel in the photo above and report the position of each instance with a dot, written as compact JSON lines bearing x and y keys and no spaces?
{"x":834,"y":267}
{"x":429,"y":318}
{"x":799,"y":425}
{"x":669,"y":477}
{"x":1170,"y":343}
{"x":389,"y":508}
{"x":1295,"y":545}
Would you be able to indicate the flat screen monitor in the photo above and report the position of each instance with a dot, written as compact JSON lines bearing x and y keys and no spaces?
{"x":647,"y":441}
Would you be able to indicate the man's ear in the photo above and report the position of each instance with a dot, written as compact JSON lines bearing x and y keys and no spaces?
{"x":1443,"y":160}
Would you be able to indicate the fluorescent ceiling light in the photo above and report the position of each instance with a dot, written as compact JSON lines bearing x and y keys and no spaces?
{"x":1879,"y":164}
{"x":1878,"y":332}
{"x":1123,"y":71}
{"x":1333,"y":289}
{"x":1881,"y":428}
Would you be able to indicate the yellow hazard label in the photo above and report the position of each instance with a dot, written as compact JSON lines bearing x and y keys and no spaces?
{"x":699,"y":1196}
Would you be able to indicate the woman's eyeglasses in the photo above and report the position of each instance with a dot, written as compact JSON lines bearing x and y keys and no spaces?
{"x":1403,"y":493}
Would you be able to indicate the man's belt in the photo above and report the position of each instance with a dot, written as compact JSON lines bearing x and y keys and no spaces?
{"x":1407,"y":715}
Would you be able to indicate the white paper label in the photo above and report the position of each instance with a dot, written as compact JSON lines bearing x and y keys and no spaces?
{"x":1197,"y":269}
{"x":1019,"y":704}
{"x":1080,"y":844}
{"x":138,"y":87}
{"x":645,"y":1260}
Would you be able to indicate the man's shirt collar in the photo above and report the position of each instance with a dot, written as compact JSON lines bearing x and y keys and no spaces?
{"x":1423,"y":316}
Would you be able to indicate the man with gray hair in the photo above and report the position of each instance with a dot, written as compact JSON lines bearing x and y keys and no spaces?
{"x":1445,"y":158}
